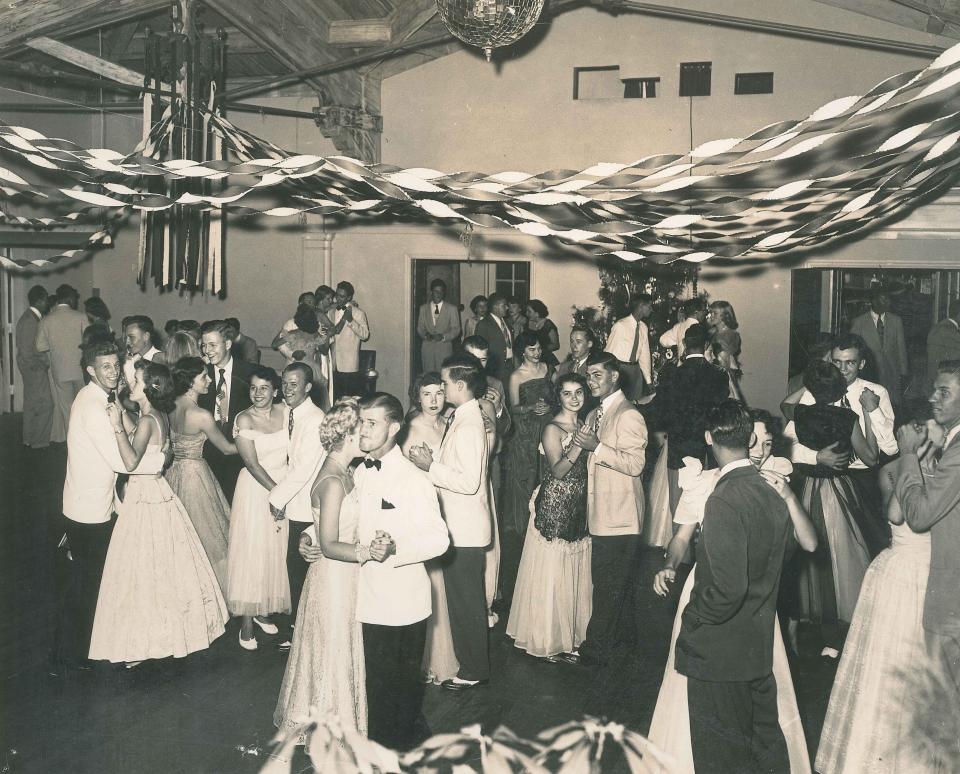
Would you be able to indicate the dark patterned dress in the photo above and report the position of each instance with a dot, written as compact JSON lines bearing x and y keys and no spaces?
{"x":521,"y":466}
{"x":552,"y":600}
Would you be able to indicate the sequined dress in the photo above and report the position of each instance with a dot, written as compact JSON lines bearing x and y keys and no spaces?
{"x":521,"y":453}
{"x":552,"y":600}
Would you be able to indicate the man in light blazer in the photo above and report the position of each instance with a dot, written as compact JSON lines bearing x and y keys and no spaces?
{"x":291,"y":496}
{"x":460,"y":476}
{"x":931,"y":501}
{"x":438,"y":324}
{"x":35,"y":372}
{"x":882,"y":331}
{"x":60,"y":333}
{"x":615,"y":434}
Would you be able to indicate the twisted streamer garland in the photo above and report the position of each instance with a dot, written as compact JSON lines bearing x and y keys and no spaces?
{"x":795,"y":184}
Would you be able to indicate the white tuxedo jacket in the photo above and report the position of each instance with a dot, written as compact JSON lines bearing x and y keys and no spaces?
{"x":305,"y":456}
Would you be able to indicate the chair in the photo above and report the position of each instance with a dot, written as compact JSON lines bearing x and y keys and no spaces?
{"x":368,"y":365}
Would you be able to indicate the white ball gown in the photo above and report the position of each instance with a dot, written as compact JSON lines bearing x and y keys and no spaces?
{"x":325,"y":672}
{"x":869,"y":727}
{"x":670,"y":727}
{"x":159,"y":595}
{"x":257,"y":581}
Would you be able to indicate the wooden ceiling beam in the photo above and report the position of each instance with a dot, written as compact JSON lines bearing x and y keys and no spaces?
{"x":410,"y":16}
{"x":910,"y":14}
{"x":22,"y":20}
{"x":86,"y":61}
{"x":359,"y":32}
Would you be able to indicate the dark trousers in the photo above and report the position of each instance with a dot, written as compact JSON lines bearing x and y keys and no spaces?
{"x":296,"y":565}
{"x":734,"y":727}
{"x":944,"y":650}
{"x":613,"y":566}
{"x":394,"y":689}
{"x":88,"y":545}
{"x":225,"y":468}
{"x":348,"y":384}
{"x":467,"y":607}
{"x":633,"y":381}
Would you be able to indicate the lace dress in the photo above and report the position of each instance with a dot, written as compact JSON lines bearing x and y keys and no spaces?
{"x":257,"y":581}
{"x":325,"y":671}
{"x":670,"y":727}
{"x":869,"y":725}
{"x":552,"y":600}
{"x":521,"y":465}
{"x":159,"y":596}
{"x":193,"y":482}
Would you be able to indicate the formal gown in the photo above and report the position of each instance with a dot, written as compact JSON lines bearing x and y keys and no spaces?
{"x":658,"y":527}
{"x":159,"y":595}
{"x":193,"y":482}
{"x":670,"y":727}
{"x":325,"y":672}
{"x":553,"y":596}
{"x":521,"y":462}
{"x":869,"y":724}
{"x":830,"y":577}
{"x":439,"y":658}
{"x":257,"y":580}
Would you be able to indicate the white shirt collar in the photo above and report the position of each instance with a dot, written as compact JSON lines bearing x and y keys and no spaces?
{"x":876,"y":316}
{"x":609,"y":400}
{"x":955,"y":323}
{"x":38,"y":315}
{"x":693,"y":355}
{"x":744,"y":463}
{"x":151,"y":353}
{"x":297,"y":411}
{"x":951,"y":435}
{"x":227,"y":368}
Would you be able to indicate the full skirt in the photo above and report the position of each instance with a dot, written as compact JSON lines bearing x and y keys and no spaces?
{"x":257,"y":580}
{"x":325,"y":673}
{"x":159,"y":596}
{"x":658,"y":527}
{"x":553,"y":596}
{"x":870,"y":722}
{"x":194,"y":483}
{"x":670,"y":727}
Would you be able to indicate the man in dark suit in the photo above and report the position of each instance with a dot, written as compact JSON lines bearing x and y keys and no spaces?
{"x":930,"y":499}
{"x":685,"y":395}
{"x":229,"y":394}
{"x":725,"y":646}
{"x":496,"y":331}
{"x":35,"y":372}
{"x":882,"y":331}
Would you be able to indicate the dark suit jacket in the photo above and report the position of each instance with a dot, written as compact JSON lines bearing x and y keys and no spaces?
{"x":227,"y":468}
{"x":499,"y":366}
{"x":684,"y":396}
{"x":933,"y":503}
{"x":891,"y":357}
{"x":726,"y":634}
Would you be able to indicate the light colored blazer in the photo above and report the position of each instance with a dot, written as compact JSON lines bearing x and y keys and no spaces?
{"x":29,"y":360}
{"x":306,"y":455}
{"x":892,"y":356}
{"x":615,"y":499}
{"x":447,"y":325}
{"x":60,"y":334}
{"x":346,"y":344}
{"x":460,"y":476}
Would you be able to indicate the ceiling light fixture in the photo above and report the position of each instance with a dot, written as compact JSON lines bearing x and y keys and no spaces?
{"x":489,"y":24}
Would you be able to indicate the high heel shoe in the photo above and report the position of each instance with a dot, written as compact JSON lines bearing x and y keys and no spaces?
{"x":250,"y":644}
{"x":266,"y":626}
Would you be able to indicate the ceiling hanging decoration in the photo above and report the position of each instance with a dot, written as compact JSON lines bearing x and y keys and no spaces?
{"x":489,"y":24}
{"x":847,"y":167}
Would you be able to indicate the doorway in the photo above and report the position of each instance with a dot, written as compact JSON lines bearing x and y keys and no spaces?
{"x":465,"y":280}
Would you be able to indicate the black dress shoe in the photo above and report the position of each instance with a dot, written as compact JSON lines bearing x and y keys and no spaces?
{"x":456,"y":684}
{"x":567,"y":658}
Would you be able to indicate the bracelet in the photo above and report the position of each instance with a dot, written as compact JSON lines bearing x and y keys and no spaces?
{"x":362,"y":552}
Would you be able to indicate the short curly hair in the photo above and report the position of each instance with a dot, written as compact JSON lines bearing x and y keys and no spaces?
{"x":340,"y":421}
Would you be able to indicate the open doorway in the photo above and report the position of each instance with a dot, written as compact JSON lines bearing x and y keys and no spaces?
{"x":465,"y":280}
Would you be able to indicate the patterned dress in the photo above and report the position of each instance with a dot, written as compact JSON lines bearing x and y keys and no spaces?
{"x":552,"y":600}
{"x":521,"y":464}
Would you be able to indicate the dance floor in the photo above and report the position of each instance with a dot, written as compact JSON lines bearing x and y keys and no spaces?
{"x":212,"y":712}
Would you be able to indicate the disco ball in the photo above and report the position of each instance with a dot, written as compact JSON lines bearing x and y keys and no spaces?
{"x":489,"y":24}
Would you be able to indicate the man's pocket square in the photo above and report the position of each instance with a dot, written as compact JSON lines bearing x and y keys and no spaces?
{"x":384,"y":504}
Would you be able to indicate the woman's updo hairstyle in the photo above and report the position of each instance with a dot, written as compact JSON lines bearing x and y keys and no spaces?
{"x":185,"y":370}
{"x":524,"y":340}
{"x":305,"y":319}
{"x":339,"y":422}
{"x":824,"y":382}
{"x":158,"y":387}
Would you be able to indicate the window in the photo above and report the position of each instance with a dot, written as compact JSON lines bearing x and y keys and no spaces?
{"x":695,"y":79}
{"x":513,"y":280}
{"x":597,"y":82}
{"x":640,"y":88}
{"x":753,"y":83}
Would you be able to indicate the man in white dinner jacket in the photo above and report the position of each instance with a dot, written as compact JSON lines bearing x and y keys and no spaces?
{"x":460,"y":475}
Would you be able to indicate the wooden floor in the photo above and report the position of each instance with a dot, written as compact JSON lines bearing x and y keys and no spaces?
{"x":207,"y":712}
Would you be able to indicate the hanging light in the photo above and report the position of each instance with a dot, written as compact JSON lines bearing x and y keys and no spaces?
{"x":489,"y":24}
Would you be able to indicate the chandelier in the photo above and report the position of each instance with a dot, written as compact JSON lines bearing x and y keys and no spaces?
{"x":489,"y":24}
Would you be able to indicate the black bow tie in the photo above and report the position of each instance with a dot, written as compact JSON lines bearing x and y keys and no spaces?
{"x":368,"y":463}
